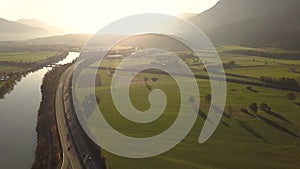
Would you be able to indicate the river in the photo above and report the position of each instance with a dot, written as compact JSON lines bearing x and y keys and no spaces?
{"x":18,"y":119}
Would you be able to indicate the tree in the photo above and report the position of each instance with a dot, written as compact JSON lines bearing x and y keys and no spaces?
{"x":208,"y":98}
{"x":232,"y":62}
{"x":98,"y":100}
{"x":253,"y":107}
{"x":291,"y":96}
{"x":249,"y":88}
{"x":244,"y":110}
{"x":154,"y":79}
{"x":265,"y":107}
{"x":146,"y":79}
{"x":230,"y":110}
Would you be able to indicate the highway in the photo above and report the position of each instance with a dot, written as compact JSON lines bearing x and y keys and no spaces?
{"x":76,"y":151}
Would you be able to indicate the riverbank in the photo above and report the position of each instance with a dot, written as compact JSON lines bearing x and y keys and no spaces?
{"x":9,"y":79}
{"x":48,"y":152}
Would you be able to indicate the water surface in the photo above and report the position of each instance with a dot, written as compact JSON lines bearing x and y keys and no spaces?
{"x":18,"y":120}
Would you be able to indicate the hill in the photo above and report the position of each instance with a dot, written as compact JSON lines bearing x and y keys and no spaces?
{"x":38,"y":23}
{"x":62,"y":39}
{"x":252,"y":23}
{"x":11,"y":30}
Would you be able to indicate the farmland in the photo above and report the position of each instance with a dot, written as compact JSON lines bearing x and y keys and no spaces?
{"x":244,"y":139}
{"x":20,"y":61}
{"x":25,"y":56}
{"x":14,"y":65}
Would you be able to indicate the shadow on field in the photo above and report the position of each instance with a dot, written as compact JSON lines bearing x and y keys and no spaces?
{"x":226,"y":115}
{"x":225,"y":124}
{"x":252,"y":90}
{"x":204,"y":117}
{"x":250,"y":130}
{"x":296,"y":103}
{"x":278,"y":116}
{"x":249,"y":114}
{"x":277,"y":126}
{"x":148,"y":87}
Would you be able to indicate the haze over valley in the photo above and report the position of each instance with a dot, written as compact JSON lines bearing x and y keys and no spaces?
{"x":220,"y":91}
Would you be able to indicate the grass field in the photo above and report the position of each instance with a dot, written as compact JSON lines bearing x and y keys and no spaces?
{"x":257,"y":68}
{"x":15,"y":65}
{"x":249,"y":142}
{"x":226,"y":48}
{"x":262,"y":140}
{"x":8,"y":69}
{"x":19,"y":57}
{"x":25,"y":56}
{"x":258,"y":61}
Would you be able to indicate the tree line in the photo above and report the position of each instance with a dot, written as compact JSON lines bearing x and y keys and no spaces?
{"x":48,"y":152}
{"x":285,"y":55}
{"x":282,"y":81}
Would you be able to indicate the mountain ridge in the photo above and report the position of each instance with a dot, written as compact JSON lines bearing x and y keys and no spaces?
{"x":40,"y":24}
{"x":11,"y":30}
{"x":252,"y":23}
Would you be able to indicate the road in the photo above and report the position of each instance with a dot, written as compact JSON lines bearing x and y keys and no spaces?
{"x":75,"y":147}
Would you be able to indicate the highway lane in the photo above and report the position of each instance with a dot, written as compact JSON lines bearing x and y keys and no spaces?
{"x":70,"y":158}
{"x":76,"y":150}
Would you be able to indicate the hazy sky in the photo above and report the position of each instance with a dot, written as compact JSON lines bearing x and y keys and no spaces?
{"x":90,"y":15}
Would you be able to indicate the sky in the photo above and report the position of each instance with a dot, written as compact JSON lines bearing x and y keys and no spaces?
{"x":88,"y":16}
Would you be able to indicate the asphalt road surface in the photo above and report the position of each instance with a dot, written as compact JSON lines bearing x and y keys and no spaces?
{"x":76,"y":150}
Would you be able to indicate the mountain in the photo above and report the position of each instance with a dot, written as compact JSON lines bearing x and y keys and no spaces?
{"x":252,"y":23}
{"x":97,"y":41}
{"x":38,"y":23}
{"x":11,"y":30}
{"x":69,"y":39}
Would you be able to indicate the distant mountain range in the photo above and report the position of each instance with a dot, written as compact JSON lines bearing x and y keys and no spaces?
{"x":40,"y":24}
{"x":252,"y":22}
{"x":24,"y":29}
{"x":10,"y":30}
{"x":238,"y":22}
{"x":62,"y":39}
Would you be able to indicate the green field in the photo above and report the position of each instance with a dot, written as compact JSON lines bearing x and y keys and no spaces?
{"x":262,"y":140}
{"x":4,"y":68}
{"x":25,"y":56}
{"x":274,"y":68}
{"x":226,"y":48}
{"x":17,"y":58}
{"x":16,"y":64}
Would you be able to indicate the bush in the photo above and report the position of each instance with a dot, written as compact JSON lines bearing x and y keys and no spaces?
{"x":244,"y":110}
{"x":291,"y":96}
{"x":265,"y":107}
{"x":253,"y":107}
{"x":154,"y":79}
